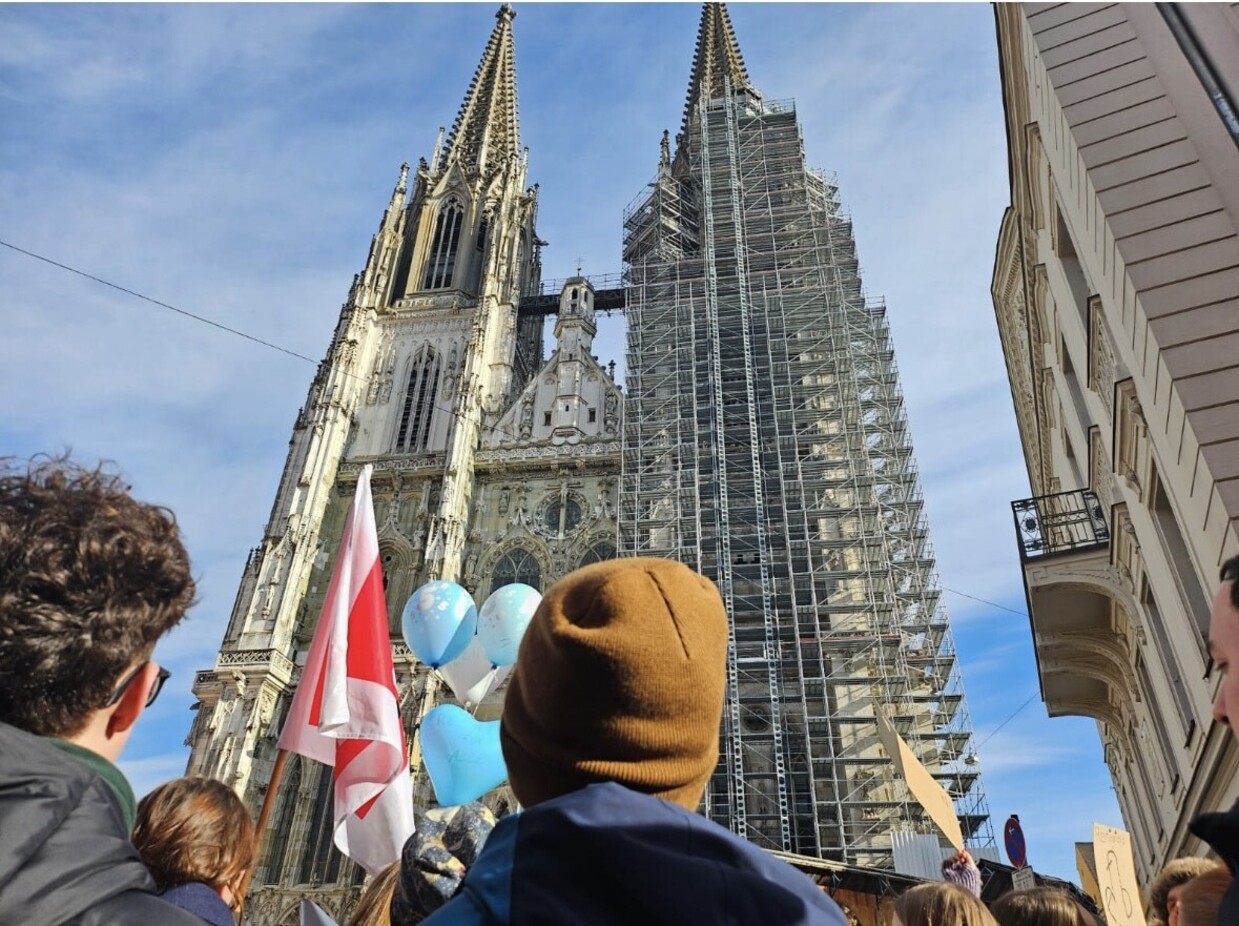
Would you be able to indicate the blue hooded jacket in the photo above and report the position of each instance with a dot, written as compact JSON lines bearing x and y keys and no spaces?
{"x":605,"y":854}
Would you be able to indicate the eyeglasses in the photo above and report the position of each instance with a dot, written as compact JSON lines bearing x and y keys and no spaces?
{"x":119,"y":691}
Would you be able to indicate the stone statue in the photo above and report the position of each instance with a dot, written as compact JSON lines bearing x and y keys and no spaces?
{"x":610,"y":417}
{"x":527,"y":417}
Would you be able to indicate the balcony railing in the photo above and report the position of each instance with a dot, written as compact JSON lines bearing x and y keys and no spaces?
{"x":1053,"y":525}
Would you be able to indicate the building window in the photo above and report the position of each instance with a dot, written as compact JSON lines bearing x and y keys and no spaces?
{"x":442,"y":262}
{"x":272,"y":868}
{"x":517,"y":565}
{"x":477,"y":265}
{"x":562,"y":517}
{"x":1073,"y":270}
{"x":1195,"y":597}
{"x":598,"y":553}
{"x":546,"y":419}
{"x":417,"y":412}
{"x":320,"y":863}
{"x":395,"y":572}
{"x":1158,"y":718}
{"x":1161,"y":639}
{"x":593,"y":415}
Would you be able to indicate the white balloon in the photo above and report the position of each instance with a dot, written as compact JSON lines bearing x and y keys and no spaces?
{"x":471,"y":676}
{"x":497,"y":678}
{"x":468,"y":672}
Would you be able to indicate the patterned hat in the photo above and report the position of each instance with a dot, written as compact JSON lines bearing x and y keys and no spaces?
{"x":446,"y":842}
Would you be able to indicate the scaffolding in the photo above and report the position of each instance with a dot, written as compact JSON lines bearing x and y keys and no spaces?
{"x":766,"y":445}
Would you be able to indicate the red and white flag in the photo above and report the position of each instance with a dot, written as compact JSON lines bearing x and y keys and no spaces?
{"x":346,"y":710}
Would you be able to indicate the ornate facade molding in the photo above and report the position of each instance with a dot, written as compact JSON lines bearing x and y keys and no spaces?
{"x":271,"y":659}
{"x":544,"y":450}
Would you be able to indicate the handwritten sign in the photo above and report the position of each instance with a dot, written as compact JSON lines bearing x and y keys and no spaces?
{"x":1023,"y":879}
{"x":1116,"y":877}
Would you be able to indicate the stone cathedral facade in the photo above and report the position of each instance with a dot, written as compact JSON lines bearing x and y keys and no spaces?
{"x":490,"y":465}
{"x":762,"y":441}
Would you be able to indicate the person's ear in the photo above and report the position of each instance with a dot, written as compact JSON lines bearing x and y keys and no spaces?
{"x":133,"y":701}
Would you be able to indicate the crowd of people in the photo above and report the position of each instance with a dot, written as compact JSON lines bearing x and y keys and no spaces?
{"x":609,"y":732}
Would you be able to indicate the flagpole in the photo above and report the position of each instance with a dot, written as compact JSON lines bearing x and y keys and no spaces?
{"x":268,"y":802}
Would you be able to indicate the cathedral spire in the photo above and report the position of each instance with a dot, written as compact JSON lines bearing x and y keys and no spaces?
{"x":717,"y":56}
{"x":487,"y":127}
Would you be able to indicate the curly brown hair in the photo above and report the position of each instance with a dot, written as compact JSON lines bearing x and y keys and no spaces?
{"x":196,"y":829}
{"x":90,"y":579}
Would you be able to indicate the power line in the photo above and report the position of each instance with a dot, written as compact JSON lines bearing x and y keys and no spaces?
{"x":292,"y":353}
{"x":208,"y":321}
{"x":162,"y":305}
{"x":993,"y":604}
{"x":1014,"y":714}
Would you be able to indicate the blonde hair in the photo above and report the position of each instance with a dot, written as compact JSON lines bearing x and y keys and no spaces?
{"x":374,"y":906}
{"x":1200,"y":898}
{"x":196,"y":829}
{"x":940,"y":903}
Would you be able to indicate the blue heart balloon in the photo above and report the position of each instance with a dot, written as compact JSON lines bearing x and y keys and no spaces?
{"x":438,"y":622}
{"x":462,"y":755}
{"x":503,"y":619}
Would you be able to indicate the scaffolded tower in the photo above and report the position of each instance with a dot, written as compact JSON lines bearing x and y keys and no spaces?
{"x":766,"y":444}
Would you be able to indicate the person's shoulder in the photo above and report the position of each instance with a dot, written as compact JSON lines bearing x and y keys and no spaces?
{"x":135,"y":908}
{"x":25,"y":753}
{"x":69,"y":853}
{"x":461,"y":910}
{"x":1221,"y":831}
{"x":484,"y":898}
{"x":606,"y":833}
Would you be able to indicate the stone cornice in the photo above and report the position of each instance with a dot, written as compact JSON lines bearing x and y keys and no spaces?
{"x":541,"y":451}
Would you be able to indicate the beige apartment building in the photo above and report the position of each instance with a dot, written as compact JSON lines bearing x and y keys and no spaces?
{"x":1116,"y":286}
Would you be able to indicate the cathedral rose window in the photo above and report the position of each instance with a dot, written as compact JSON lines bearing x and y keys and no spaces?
{"x":563,"y":517}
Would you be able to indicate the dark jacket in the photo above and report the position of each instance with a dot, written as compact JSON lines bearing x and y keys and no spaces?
{"x":65,"y":855}
{"x":202,"y":900}
{"x":1221,"y":831}
{"x":608,"y":855}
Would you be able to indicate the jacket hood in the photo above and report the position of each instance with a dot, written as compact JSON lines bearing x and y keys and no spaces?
{"x":1221,"y":832}
{"x":608,"y":855}
{"x":65,"y":847}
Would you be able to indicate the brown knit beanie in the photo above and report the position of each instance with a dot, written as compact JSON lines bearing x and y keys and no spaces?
{"x":620,"y":678}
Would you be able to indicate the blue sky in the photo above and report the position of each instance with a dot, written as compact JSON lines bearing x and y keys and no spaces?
{"x":234,"y":161}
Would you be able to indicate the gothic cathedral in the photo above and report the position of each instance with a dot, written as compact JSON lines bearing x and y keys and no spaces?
{"x":762,"y":440}
{"x":490,"y":465}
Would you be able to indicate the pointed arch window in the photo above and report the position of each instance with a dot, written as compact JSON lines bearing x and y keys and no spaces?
{"x":444,"y":244}
{"x":478,"y":263}
{"x":417,"y":413}
{"x":483,"y":230}
{"x":320,"y":864}
{"x":517,"y":565}
{"x":599,"y":552}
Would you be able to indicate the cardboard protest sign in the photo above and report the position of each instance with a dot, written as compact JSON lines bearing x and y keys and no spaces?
{"x":922,"y":785}
{"x":1116,"y":877}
